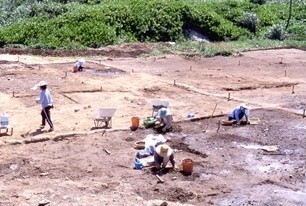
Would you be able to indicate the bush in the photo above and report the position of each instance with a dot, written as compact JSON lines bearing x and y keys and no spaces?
{"x":250,"y":21}
{"x":276,"y":32}
{"x":260,"y":2}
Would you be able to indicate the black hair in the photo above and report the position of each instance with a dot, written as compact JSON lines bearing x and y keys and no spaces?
{"x":43,"y":87}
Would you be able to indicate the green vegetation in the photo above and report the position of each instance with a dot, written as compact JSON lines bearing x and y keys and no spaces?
{"x":79,"y":24}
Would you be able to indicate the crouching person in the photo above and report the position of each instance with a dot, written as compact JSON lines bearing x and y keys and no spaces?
{"x":162,"y":155}
{"x":164,"y":120}
{"x":239,"y":112}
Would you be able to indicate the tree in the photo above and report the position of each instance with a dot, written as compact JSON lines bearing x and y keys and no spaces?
{"x":289,"y":15}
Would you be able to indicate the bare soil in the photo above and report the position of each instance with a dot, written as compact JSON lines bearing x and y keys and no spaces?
{"x":70,"y":166}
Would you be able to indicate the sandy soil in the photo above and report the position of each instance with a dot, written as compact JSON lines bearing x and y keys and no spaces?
{"x":70,"y":167}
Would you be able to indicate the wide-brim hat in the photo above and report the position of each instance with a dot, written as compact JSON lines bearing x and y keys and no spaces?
{"x":40,"y":84}
{"x":164,"y":150}
{"x":81,"y":60}
{"x":245,"y":106}
{"x":163,"y":112}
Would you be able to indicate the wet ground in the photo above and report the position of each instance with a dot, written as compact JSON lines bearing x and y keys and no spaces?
{"x":229,"y":168}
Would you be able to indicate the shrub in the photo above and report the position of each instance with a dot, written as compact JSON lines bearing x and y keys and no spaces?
{"x":250,"y":21}
{"x":276,"y":32}
{"x":260,"y":2}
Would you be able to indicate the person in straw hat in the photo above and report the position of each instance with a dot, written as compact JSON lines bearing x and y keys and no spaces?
{"x":239,"y":112}
{"x":162,"y":155}
{"x":46,"y":102}
{"x":79,"y":64}
{"x":164,"y":120}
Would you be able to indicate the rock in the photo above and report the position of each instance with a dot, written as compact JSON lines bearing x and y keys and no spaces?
{"x":43,"y":202}
{"x":163,"y":204}
{"x":173,"y":178}
{"x":14,"y":166}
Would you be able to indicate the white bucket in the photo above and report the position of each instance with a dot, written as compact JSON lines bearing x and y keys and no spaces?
{"x":4,"y":120}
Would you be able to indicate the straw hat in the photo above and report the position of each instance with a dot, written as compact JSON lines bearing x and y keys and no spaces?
{"x":163,"y":112}
{"x":245,"y":106}
{"x":40,"y":84}
{"x":163,"y":150}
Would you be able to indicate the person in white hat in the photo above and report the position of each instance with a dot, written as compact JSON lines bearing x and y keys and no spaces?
{"x":239,"y":112}
{"x":162,"y":155}
{"x":46,"y":102}
{"x":164,"y":120}
{"x":80,"y":64}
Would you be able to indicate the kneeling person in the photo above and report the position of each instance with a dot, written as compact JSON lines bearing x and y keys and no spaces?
{"x":162,"y":155}
{"x":165,"y":119}
{"x":239,"y":112}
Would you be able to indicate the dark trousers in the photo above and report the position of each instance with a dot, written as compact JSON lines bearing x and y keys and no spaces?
{"x":45,"y":114}
{"x":240,"y":116}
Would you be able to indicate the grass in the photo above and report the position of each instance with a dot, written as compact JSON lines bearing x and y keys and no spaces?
{"x":223,"y":48}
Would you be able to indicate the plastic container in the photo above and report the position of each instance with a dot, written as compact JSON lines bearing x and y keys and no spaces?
{"x":4,"y":120}
{"x":135,"y":122}
{"x":75,"y":69}
{"x":138,"y":164}
{"x":187,"y":165}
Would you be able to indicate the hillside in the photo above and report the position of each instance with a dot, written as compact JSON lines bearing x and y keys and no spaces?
{"x":80,"y":24}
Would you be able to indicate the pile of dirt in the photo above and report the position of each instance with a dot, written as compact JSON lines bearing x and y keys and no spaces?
{"x":178,"y":194}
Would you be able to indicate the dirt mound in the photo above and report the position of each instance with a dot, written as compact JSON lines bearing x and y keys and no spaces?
{"x":179,"y":194}
{"x":124,"y":50}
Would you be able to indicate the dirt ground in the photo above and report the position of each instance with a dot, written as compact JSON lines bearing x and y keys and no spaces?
{"x":70,"y":166}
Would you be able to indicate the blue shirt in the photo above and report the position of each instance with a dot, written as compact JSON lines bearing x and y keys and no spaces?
{"x":238,"y":113}
{"x":45,"y":98}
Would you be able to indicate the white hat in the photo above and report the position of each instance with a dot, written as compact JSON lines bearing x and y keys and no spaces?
{"x":163,"y":150}
{"x":163,"y":112}
{"x":81,"y":60}
{"x":40,"y":84}
{"x":245,"y":106}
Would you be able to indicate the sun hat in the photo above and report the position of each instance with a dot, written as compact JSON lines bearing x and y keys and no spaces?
{"x":163,"y":112}
{"x":163,"y":150}
{"x":40,"y":84}
{"x":245,"y":106}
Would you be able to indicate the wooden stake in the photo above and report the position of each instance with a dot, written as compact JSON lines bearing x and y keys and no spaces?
{"x":174,"y":82}
{"x":107,"y":152}
{"x":210,"y":118}
{"x":293,"y":89}
{"x":239,"y":63}
{"x":285,"y":73}
{"x":13,"y":94}
{"x":219,"y":124}
{"x":304,"y":113}
{"x":190,"y":68}
{"x":101,"y":89}
{"x":229,"y":96}
{"x":160,"y":179}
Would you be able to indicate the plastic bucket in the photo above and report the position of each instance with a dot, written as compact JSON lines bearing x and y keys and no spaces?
{"x":187,"y":165}
{"x":74,"y":69}
{"x":135,"y":122}
{"x":138,"y":164}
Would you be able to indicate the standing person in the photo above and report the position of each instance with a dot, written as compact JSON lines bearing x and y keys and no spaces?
{"x":164,"y":120}
{"x":239,"y":112}
{"x":46,"y":102}
{"x":162,"y":155}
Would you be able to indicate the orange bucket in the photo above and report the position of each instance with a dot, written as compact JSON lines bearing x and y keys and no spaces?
{"x":135,"y":122}
{"x":74,"y":69}
{"x":187,"y":166}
